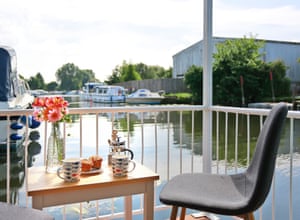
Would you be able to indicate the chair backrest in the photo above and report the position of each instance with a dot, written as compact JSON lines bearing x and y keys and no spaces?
{"x":260,"y":172}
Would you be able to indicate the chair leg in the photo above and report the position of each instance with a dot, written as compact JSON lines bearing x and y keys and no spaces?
{"x":248,"y":216}
{"x":174,"y":212}
{"x":182,"y":215}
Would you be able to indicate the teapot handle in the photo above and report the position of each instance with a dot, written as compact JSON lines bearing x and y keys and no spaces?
{"x":130,"y":151}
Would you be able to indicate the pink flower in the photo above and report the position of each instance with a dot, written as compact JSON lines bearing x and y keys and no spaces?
{"x":55,"y":115}
{"x":37,"y":115}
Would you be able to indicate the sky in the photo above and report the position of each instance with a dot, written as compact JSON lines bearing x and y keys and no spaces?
{"x":100,"y":35}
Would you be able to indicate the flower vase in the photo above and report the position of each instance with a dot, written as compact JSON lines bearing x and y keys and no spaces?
{"x":55,"y":149}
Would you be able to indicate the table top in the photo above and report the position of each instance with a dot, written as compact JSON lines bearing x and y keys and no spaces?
{"x":40,"y":182}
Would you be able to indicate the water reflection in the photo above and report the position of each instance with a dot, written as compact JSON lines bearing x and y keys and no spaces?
{"x":185,"y":134}
{"x":17,"y":168}
{"x":182,"y":136}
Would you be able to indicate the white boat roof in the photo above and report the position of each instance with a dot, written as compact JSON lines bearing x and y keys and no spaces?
{"x":108,"y":87}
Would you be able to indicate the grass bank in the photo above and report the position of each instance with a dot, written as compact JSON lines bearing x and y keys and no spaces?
{"x":178,"y":98}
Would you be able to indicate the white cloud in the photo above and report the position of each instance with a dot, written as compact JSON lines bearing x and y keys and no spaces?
{"x":93,"y":34}
{"x":99,"y":35}
{"x":274,"y":22}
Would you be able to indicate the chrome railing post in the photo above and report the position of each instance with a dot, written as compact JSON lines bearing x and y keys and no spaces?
{"x":207,"y":86}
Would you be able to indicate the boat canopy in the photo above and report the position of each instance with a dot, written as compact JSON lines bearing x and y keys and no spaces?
{"x":8,"y":73}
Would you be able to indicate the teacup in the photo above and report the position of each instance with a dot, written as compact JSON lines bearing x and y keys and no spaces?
{"x":120,"y":165}
{"x":70,"y":170}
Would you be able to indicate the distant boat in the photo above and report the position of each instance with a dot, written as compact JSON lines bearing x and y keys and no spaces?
{"x":14,"y":94}
{"x":38,"y":92}
{"x":101,"y":93}
{"x":144,"y":96}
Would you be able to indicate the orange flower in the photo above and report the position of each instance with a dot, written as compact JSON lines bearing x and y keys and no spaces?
{"x":38,"y":102}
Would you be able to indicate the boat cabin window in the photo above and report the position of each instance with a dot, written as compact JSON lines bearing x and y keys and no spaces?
{"x":120,"y":92}
{"x":15,"y":86}
{"x":13,"y":64}
{"x":101,"y":90}
{"x":13,"y":73}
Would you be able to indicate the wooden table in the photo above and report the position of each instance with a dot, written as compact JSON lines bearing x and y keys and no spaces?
{"x":49,"y":190}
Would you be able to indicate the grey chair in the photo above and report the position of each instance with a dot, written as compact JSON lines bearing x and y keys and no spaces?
{"x":237,"y":194}
{"x":14,"y":212}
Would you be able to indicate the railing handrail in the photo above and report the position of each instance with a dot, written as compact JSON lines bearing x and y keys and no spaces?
{"x":158,"y":108}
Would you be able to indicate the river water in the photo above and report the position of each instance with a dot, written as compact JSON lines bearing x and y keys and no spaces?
{"x":175,"y":134}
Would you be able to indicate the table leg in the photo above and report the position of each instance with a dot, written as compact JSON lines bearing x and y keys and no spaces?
{"x":149,"y":201}
{"x":128,"y":207}
{"x":37,"y":202}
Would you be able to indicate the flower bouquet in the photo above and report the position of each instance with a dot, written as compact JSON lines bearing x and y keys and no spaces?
{"x":52,"y":109}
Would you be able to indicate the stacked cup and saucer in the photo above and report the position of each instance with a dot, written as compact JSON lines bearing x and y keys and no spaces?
{"x":70,"y":170}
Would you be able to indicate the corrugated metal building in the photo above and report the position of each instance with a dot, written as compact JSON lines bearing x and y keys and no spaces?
{"x":289,"y":52}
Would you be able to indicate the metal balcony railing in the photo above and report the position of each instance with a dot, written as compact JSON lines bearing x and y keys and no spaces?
{"x":167,"y":139}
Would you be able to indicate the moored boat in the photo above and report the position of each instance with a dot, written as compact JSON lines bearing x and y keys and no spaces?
{"x":100,"y":93}
{"x":144,"y":96}
{"x":88,"y":89}
{"x":14,"y":94}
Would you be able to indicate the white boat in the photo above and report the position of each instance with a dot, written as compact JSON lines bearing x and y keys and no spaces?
{"x":109,"y":94}
{"x":144,"y":96}
{"x":98,"y":92}
{"x":14,"y":94}
{"x":88,"y":89}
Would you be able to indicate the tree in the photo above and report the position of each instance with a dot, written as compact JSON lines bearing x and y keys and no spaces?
{"x":275,"y":76}
{"x":52,"y":86}
{"x":129,"y":73}
{"x":65,"y":76}
{"x":144,"y":71}
{"x":71,"y":77}
{"x":166,"y":74}
{"x":236,"y":59}
{"x":240,"y":74}
{"x":152,"y":72}
{"x":115,"y":77}
{"x":241,"y":59}
{"x":36,"y":82}
{"x":84,"y":76}
{"x":193,"y":80}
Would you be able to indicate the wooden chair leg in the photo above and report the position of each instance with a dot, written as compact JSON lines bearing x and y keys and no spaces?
{"x":182,"y":215}
{"x":174,"y":213}
{"x":248,"y":216}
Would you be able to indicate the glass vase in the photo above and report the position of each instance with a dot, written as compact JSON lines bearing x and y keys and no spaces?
{"x":55,"y":149}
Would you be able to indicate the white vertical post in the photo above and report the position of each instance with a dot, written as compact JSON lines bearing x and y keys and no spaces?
{"x":207,"y":86}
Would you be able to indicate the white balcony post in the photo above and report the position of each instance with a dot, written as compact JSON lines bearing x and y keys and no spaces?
{"x":207,"y":86}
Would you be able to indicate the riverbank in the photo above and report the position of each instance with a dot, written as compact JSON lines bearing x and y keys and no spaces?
{"x":177,"y":98}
